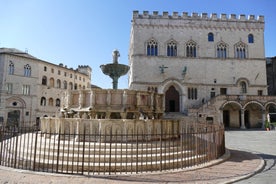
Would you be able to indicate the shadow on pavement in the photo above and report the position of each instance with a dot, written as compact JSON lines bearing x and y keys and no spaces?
{"x":226,"y":171}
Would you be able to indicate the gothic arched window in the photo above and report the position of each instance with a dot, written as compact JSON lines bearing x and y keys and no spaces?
{"x":58,"y":84}
{"x":152,"y":48}
{"x":191,"y":49}
{"x":250,"y":38}
{"x":11,"y":68}
{"x":43,"y":101}
{"x":27,"y":70}
{"x":44,"y":80}
{"x":171,"y":49}
{"x":240,"y":50}
{"x":65,"y":84}
{"x":71,"y":86}
{"x":192,"y":93}
{"x":222,"y":50}
{"x":243,"y":87}
{"x":58,"y":102}
{"x":210,"y":37}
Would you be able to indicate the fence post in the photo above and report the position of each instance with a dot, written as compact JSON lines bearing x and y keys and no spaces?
{"x":110,"y":145}
{"x":1,"y":139}
{"x":16,"y":148}
{"x":161,"y":136}
{"x":83,"y":151}
{"x":137,"y":151}
{"x":59,"y":132}
{"x":35,"y":147}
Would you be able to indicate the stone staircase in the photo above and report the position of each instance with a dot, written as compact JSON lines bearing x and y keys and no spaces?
{"x":174,"y":115}
{"x":203,"y":111}
{"x":36,"y":152}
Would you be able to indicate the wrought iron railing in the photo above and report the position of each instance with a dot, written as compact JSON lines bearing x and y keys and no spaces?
{"x":97,"y":154}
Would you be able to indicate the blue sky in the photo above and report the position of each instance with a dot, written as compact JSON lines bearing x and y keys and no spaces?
{"x":85,"y":32}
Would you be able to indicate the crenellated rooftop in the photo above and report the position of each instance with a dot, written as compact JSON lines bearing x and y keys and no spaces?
{"x":83,"y":66}
{"x":197,"y":16}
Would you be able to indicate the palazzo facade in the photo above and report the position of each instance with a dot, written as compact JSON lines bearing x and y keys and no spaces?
{"x":31,"y":88}
{"x":207,"y":66}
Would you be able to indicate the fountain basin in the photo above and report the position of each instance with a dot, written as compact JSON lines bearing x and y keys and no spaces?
{"x":114,"y":70}
{"x":128,"y":130}
{"x":112,"y":104}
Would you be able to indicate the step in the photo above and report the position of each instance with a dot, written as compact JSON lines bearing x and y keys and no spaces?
{"x":63,"y":166}
{"x":104,"y":157}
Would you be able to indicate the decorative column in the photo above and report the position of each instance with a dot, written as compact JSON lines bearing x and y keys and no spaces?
{"x":124,"y":99}
{"x":221,"y":117}
{"x":242,"y":119}
{"x":68,"y":99}
{"x":92,"y":100}
{"x":108,"y":98}
{"x":108,"y":104}
{"x":80,"y":99}
{"x":263,"y":118}
{"x":182,"y":103}
{"x":124,"y":106}
{"x":151,"y":100}
{"x":138,"y":97}
{"x":156,"y":100}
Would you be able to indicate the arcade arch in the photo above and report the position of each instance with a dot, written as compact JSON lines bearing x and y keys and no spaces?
{"x":230,"y":111}
{"x":249,"y":115}
{"x":270,"y":108}
{"x":253,"y":114}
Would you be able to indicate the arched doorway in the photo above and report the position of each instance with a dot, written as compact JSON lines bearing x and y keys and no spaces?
{"x":13,"y":118}
{"x":172,"y":100}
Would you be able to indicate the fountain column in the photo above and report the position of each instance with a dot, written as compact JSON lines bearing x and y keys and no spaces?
{"x":115,"y":82}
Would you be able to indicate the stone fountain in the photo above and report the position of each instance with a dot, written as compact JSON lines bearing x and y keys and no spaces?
{"x":110,"y":111}
{"x":115,"y":70}
{"x":112,"y":131}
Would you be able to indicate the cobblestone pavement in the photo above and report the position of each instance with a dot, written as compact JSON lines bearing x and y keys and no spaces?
{"x":261,"y":143}
{"x":241,"y":164}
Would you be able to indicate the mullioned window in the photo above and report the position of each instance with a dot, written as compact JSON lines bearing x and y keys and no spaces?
{"x":152,"y":48}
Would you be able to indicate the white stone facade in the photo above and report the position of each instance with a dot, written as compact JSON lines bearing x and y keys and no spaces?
{"x":208,"y":70}
{"x":31,"y":88}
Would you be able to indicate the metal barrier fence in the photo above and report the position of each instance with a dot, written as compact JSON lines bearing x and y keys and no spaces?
{"x":29,"y":149}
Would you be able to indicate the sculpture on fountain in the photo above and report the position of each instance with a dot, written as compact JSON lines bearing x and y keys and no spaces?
{"x":115,"y":70}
